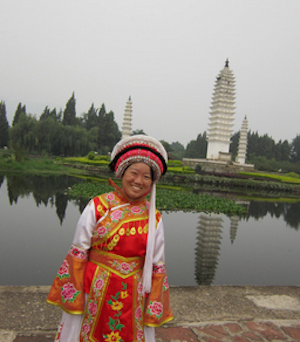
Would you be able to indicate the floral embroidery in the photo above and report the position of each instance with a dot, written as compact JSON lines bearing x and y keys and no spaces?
{"x":136,"y":210}
{"x":155,"y":308}
{"x":85,"y":329}
{"x":105,"y":227}
{"x":115,"y":323}
{"x":69,"y":293}
{"x":124,"y":294}
{"x":101,"y":231}
{"x":58,"y":334}
{"x":138,"y":313}
{"x":63,"y":272}
{"x":110,"y":197}
{"x":116,"y":215}
{"x":159,"y":268}
{"x":140,"y":287}
{"x":117,"y":306}
{"x":165,"y":284}
{"x":140,"y":335}
{"x":123,"y":267}
{"x":139,"y":310}
{"x":78,"y":252}
{"x":113,"y":337}
{"x":98,"y":284}
{"x":92,"y":306}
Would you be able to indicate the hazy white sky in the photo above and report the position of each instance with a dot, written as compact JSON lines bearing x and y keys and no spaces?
{"x":166,"y":54}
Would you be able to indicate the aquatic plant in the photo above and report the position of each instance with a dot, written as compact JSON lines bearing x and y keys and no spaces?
{"x":169,"y":200}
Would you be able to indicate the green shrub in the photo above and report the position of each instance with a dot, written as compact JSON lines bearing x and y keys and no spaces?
{"x":91,"y":155}
{"x":198,"y":169}
{"x":174,"y":163}
{"x":292,"y":175}
{"x":181,"y":170}
{"x":6,"y":155}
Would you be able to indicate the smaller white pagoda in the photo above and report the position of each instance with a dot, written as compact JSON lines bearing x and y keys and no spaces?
{"x":126,"y":128}
{"x":242,"y":147}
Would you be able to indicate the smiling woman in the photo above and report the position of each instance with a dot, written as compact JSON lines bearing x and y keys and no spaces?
{"x":113,"y":284}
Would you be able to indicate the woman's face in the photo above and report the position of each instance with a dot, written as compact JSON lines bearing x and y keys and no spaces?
{"x":136,"y":181}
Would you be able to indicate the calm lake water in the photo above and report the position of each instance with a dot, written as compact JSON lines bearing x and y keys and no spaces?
{"x":37,"y":224}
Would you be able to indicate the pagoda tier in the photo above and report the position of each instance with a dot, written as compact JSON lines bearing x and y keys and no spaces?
{"x":221,"y":114}
{"x":242,"y":148}
{"x":126,"y":128}
{"x":208,"y":247}
{"x":234,"y":223}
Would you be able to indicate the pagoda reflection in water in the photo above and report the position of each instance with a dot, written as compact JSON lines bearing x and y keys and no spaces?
{"x":209,"y":237}
{"x":208,"y":246}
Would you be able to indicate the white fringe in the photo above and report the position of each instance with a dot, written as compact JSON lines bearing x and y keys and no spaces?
{"x":149,"y":334}
{"x":148,"y":266}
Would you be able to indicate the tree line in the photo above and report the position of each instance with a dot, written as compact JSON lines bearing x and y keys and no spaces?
{"x":257,"y":146}
{"x":62,"y":133}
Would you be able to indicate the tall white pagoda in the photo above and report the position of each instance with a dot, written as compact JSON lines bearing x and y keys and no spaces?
{"x":126,"y":128}
{"x":221,"y":115}
{"x":242,"y":148}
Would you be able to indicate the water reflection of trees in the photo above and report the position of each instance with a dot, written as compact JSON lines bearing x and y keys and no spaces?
{"x":51,"y":190}
{"x":289,"y":211}
{"x":48,"y":190}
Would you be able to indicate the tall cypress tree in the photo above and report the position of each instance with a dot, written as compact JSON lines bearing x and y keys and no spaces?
{"x":70,"y":111}
{"x":3,"y":126}
{"x":18,"y":113}
{"x":90,"y":119}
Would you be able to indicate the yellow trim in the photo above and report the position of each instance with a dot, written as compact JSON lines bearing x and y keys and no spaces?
{"x":89,"y":296}
{"x":116,"y":238}
{"x":134,"y":302}
{"x":119,"y":258}
{"x":158,"y":325}
{"x":116,"y":256}
{"x":102,"y":201}
{"x":62,"y":307}
{"x":101,"y":301}
{"x":123,"y":276}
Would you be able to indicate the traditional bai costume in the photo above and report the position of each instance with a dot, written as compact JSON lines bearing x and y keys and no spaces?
{"x":113,"y":284}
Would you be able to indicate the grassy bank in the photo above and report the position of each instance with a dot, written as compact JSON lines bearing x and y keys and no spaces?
{"x":175,"y":175}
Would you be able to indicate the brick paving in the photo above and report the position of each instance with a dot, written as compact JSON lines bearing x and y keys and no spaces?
{"x":250,"y":331}
{"x":206,"y":314}
{"x":232,"y":332}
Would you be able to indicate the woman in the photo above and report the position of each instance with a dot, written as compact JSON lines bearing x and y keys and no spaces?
{"x":112,"y":284}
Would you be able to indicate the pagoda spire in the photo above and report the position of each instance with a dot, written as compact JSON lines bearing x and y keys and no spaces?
{"x":126,"y":128}
{"x":242,"y":148}
{"x":221,"y":114}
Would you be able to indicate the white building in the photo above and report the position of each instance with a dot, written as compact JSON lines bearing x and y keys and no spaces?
{"x":221,"y":116}
{"x":126,"y":128}
{"x":242,"y":148}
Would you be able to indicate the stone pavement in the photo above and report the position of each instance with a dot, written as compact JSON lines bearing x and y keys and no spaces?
{"x":204,"y":313}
